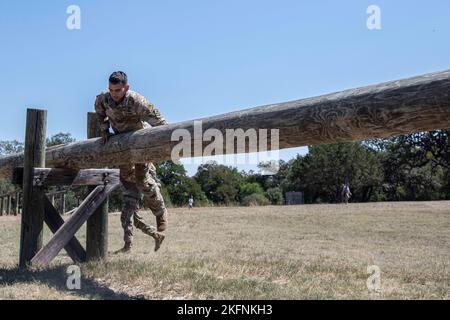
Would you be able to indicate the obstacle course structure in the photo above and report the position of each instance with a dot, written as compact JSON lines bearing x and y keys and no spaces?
{"x":38,"y":208}
{"x":406,"y":106}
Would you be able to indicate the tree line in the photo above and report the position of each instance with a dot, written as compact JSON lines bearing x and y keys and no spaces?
{"x":402,"y":168}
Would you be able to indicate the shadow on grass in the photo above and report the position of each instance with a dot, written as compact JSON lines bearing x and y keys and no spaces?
{"x":56,"y":277}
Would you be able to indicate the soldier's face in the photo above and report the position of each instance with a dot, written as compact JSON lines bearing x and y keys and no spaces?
{"x":118,"y":91}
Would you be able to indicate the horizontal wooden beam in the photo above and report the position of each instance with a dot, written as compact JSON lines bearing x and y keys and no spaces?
{"x":405,"y":106}
{"x":60,"y":177}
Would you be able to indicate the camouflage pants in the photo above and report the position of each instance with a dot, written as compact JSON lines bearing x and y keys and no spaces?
{"x":139,"y":180}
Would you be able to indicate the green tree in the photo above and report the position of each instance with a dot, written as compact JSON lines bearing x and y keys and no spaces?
{"x":249,"y":188}
{"x":220,"y":183}
{"x":60,"y":138}
{"x":275,"y":196}
{"x":10,"y":147}
{"x":255,"y":199}
{"x":321,"y":173}
{"x":179,"y":186}
{"x":415,"y":166}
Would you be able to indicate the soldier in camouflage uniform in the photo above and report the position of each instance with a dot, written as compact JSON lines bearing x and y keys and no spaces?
{"x":125,"y":111}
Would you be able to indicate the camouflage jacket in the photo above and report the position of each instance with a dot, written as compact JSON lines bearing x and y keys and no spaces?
{"x":128,"y":115}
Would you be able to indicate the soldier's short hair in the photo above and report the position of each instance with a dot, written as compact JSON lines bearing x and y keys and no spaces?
{"x":118,"y":77}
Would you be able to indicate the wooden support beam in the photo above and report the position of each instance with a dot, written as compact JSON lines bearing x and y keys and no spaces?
{"x":20,"y":202}
{"x":16,"y":212}
{"x":89,"y":177}
{"x":63,"y":203}
{"x":8,"y":205}
{"x":67,"y":231}
{"x":33,"y":197}
{"x":97,"y":224}
{"x":62,"y":177}
{"x":54,"y":221}
{"x":399,"y":107}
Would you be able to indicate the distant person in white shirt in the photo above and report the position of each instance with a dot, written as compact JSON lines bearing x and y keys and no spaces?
{"x":191,"y":202}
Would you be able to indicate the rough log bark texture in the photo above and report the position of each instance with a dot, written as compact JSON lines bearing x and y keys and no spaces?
{"x":399,"y":107}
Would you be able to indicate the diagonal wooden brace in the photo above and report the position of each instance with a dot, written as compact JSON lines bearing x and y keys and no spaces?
{"x":67,"y":231}
{"x":54,"y":221}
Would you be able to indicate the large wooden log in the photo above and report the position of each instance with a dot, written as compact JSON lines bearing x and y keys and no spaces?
{"x":399,"y":107}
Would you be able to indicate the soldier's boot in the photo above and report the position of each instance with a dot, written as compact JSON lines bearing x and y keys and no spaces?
{"x":162,"y":222}
{"x":126,"y":248}
{"x":159,"y":238}
{"x":150,"y":230}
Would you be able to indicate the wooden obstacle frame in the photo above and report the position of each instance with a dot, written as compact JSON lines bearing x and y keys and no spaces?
{"x":38,"y":208}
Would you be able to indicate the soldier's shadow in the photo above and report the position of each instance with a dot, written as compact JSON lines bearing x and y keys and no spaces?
{"x":56,"y":277}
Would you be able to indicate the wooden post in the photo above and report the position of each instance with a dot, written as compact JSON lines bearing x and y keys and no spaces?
{"x":63,"y":203}
{"x":33,"y":196}
{"x":8,"y":205}
{"x":20,"y":203}
{"x":16,"y":212}
{"x":2,"y":201}
{"x":97,"y":225}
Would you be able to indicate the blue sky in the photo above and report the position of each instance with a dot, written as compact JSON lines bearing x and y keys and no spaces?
{"x":199,"y":58}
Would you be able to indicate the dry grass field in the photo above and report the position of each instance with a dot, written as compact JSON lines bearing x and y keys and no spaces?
{"x":275,"y":252}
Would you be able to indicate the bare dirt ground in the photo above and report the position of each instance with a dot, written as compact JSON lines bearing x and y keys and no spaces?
{"x":275,"y":252}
